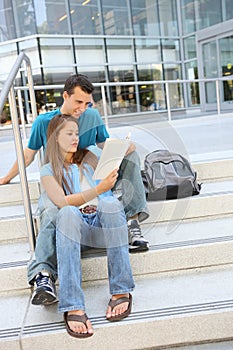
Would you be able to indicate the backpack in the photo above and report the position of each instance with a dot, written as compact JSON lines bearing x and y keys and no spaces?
{"x":168,"y":175}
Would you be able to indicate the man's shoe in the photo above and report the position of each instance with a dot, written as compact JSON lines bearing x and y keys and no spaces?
{"x":44,"y":290}
{"x":137,"y":243}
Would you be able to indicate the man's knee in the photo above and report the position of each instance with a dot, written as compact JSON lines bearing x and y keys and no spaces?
{"x":109,"y":205}
{"x":132,"y":157}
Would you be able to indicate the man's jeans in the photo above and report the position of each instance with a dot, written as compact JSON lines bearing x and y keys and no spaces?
{"x":133,"y":199}
{"x":107,"y":228}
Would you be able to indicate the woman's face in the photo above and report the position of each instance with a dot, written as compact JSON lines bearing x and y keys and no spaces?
{"x":68,"y":138}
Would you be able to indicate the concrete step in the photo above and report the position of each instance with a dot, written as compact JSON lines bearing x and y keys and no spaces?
{"x":213,"y":170}
{"x":12,"y":222}
{"x":163,"y":306}
{"x":173,"y":247}
{"x":11,"y":194}
{"x":216,"y":199}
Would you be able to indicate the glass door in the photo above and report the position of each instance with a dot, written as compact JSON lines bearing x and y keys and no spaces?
{"x":226,"y":67}
{"x":210,"y":69}
{"x":217,"y":62}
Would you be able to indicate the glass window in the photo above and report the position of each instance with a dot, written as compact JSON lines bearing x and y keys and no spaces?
{"x":168,"y":17}
{"x":122,"y":73}
{"x":116,"y":17}
{"x":190,"y":48}
{"x":226,"y":61}
{"x":145,"y":17}
{"x":8,"y":56}
{"x":85,"y":17}
{"x":193,"y":87}
{"x":229,"y":9}
{"x":151,"y":96}
{"x":95,"y":74}
{"x":210,"y":67}
{"x":31,"y":50}
{"x":150,"y":72}
{"x":7,"y":27}
{"x":170,"y":50}
{"x":173,"y":72}
{"x":209,"y":13}
{"x":188,"y":16}
{"x":122,"y":97}
{"x":24,"y":15}
{"x":148,"y":50}
{"x":51,"y":17}
{"x":119,"y":51}
{"x":89,"y":51}
{"x":56,"y":52}
{"x":57,"y":58}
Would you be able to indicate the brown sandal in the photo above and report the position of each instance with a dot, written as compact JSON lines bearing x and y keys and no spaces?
{"x":113,"y":303}
{"x":77,"y":318}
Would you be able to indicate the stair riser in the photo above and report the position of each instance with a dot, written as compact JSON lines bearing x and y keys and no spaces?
{"x":214,"y":170}
{"x":206,"y":171}
{"x":190,"y":208}
{"x":161,"y":211}
{"x":11,"y":194}
{"x":167,"y":260}
{"x":149,"y":333}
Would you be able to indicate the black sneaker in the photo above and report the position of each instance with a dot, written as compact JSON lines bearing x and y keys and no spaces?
{"x":44,"y":290}
{"x":137,"y":243}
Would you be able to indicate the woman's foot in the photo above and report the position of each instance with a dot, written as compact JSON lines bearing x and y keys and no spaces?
{"x":78,"y":324}
{"x":119,"y":307}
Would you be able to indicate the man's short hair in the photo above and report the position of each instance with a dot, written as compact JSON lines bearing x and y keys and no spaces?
{"x":78,"y":80}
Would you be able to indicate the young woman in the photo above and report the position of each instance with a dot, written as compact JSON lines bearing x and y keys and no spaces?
{"x":89,"y":215}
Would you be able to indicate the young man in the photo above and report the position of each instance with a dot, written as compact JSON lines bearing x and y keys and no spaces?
{"x":77,"y":95}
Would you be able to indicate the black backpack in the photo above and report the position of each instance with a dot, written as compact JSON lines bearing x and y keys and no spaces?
{"x":168,"y":175}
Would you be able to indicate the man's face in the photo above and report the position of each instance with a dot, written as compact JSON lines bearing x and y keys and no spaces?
{"x":76,"y":103}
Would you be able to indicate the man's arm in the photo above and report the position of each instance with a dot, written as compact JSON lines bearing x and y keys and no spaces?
{"x":29,"y":156}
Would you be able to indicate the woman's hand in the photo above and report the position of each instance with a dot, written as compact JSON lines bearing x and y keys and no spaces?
{"x":107,"y":183}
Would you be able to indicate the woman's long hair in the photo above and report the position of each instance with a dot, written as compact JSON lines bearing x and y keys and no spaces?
{"x":54,"y":155}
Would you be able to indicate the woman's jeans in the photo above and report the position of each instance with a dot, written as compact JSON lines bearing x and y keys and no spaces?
{"x":107,"y":228}
{"x":133,"y":199}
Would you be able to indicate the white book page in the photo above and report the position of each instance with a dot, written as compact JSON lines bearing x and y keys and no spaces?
{"x":112,"y":155}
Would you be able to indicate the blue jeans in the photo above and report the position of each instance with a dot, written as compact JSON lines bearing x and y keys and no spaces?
{"x":106,"y":228}
{"x":131,"y":186}
{"x":133,"y":199}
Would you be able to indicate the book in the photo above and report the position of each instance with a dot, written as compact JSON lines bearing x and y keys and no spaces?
{"x":111,"y":157}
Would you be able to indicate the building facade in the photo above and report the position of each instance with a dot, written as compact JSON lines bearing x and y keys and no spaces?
{"x":130,"y":46}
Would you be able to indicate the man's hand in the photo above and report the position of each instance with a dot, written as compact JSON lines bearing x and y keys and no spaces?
{"x":4,"y":181}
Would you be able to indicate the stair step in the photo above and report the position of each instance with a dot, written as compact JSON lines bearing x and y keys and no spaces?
{"x":216,"y":199}
{"x":216,"y":170}
{"x":163,"y":306}
{"x":181,"y":246}
{"x":11,"y":193}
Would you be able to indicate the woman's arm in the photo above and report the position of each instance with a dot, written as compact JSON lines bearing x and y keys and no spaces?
{"x":58,"y":197}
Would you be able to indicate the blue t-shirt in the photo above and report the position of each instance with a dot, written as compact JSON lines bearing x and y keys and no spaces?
{"x":73,"y":178}
{"x":91,"y":129}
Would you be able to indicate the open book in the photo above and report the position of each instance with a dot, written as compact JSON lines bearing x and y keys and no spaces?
{"x":113,"y":152}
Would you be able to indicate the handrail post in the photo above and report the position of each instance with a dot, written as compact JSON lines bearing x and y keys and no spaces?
{"x":31,"y":89}
{"x":104,"y":105}
{"x":218,"y":97}
{"x":21,"y":114}
{"x":22,"y":170}
{"x":168,"y":101}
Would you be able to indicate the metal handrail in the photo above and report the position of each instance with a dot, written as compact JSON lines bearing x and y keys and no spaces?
{"x":8,"y":91}
{"x":166,"y":83}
